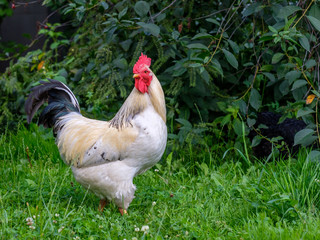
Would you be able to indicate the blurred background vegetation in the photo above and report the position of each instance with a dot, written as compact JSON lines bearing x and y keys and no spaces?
{"x":219,"y":62}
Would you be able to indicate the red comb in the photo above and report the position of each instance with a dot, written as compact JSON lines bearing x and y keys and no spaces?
{"x":143,"y":60}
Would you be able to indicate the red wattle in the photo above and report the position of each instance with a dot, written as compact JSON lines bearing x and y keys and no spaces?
{"x":141,"y":85}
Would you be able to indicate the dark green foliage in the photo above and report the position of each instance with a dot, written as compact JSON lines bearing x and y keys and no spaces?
{"x":219,"y":62}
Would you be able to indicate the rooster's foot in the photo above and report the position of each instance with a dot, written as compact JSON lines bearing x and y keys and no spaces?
{"x":122,"y":211}
{"x":102,"y":204}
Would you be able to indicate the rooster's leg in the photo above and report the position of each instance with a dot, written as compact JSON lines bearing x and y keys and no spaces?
{"x":102,"y":204}
{"x":122,"y":211}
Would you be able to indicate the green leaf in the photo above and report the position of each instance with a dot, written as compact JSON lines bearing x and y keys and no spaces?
{"x":251,"y":121}
{"x":169,"y":160}
{"x":284,"y":87}
{"x":299,"y":93}
{"x":237,"y":127}
{"x":213,"y":21}
{"x":80,"y":13}
{"x":304,"y":137}
{"x":121,"y":63}
{"x":60,"y":79}
{"x":286,"y":11}
{"x":298,"y":84}
{"x":234,"y":46}
{"x":231,"y":58}
{"x":252,"y":8}
{"x":217,"y":66}
{"x":175,"y":35}
{"x":256,"y":141}
{"x":54,"y":45}
{"x":292,"y":75}
{"x":266,"y":68}
{"x":226,"y":119}
{"x":195,"y":65}
{"x":316,"y":93}
{"x":142,"y":8}
{"x":104,"y":5}
{"x":63,"y":72}
{"x":31,"y":183}
{"x":310,"y":63}
{"x":272,"y":29}
{"x":150,"y":28}
{"x":161,"y":17}
{"x":315,"y":22}
{"x":304,"y":111}
{"x":43,"y":31}
{"x":277,"y":57}
{"x":179,"y":72}
{"x":201,"y":35}
{"x":206,"y":59}
{"x":197,"y":46}
{"x":289,"y":23}
{"x":315,"y":11}
{"x":80,"y":2}
{"x":255,"y":99}
{"x":314,"y":156}
{"x":204,"y":75}
{"x":270,"y":76}
{"x":126,"y":44}
{"x":265,"y":38}
{"x":305,"y":43}
{"x":122,"y":13}
{"x":185,"y":123}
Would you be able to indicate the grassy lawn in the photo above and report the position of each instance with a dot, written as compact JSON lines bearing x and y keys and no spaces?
{"x":186,"y":196}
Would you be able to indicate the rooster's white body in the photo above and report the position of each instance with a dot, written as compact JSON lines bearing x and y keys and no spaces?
{"x":106,"y":156}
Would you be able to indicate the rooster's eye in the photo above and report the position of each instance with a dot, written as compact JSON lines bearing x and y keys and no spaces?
{"x":145,"y":71}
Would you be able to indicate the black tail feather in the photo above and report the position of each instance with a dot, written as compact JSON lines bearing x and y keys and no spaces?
{"x":60,"y":100}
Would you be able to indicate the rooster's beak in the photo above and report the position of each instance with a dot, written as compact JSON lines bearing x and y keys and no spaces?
{"x":136,"y":75}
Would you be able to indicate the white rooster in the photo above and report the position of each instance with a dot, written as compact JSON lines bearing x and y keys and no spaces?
{"x":106,"y":155}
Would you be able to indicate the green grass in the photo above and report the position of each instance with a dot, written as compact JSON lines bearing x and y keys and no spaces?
{"x":189,"y":195}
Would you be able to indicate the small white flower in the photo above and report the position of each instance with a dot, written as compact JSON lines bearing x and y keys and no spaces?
{"x":144,"y":228}
{"x":54,"y":221}
{"x":156,"y":170}
{"x":76,"y":237}
{"x":60,"y":229}
{"x":136,"y":229}
{"x":154,"y":203}
{"x":32,"y":227}
{"x":34,"y":216}
{"x":29,"y":219}
{"x":57,"y":214}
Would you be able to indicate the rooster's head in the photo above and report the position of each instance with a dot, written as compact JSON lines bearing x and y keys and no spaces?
{"x":142,"y":73}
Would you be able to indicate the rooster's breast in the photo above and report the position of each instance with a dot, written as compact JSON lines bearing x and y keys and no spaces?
{"x":150,"y":144}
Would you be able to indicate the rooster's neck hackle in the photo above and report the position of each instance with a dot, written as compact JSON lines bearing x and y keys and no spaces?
{"x":137,"y":102}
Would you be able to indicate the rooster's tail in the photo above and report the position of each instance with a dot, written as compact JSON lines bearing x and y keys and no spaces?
{"x":60,"y":98}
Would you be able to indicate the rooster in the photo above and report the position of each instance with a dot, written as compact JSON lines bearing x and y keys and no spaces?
{"x":105,"y":156}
